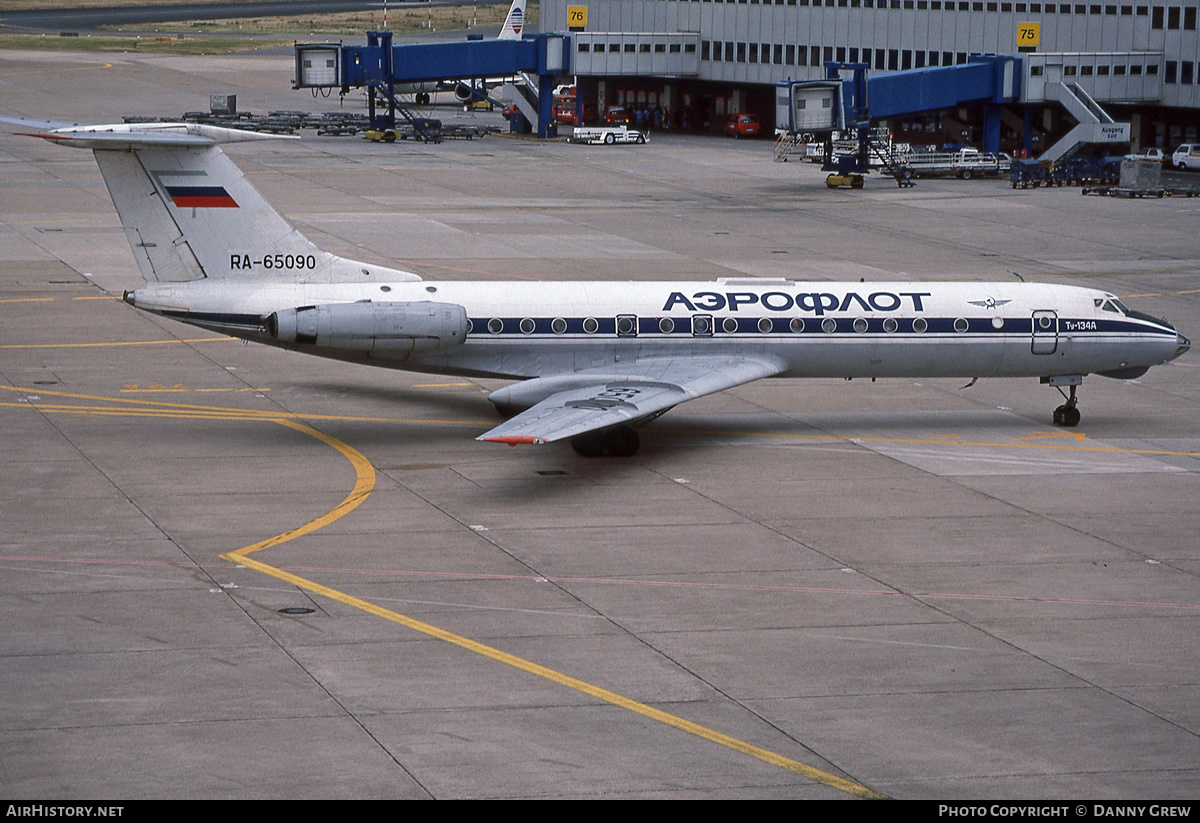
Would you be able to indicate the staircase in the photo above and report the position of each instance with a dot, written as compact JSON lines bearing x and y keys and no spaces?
{"x":421,"y":125}
{"x":520,"y":97}
{"x":1095,"y":124}
{"x":877,"y":146}
{"x":785,"y":145}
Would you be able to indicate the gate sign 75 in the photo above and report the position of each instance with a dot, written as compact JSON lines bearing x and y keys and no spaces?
{"x":1029,"y":34}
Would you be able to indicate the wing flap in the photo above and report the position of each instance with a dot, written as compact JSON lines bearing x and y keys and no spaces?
{"x":600,"y":399}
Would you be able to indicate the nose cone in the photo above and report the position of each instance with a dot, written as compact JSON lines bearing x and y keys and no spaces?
{"x":1182,"y":344}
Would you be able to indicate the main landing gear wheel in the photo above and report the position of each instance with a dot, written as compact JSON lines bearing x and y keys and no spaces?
{"x":1067,"y":414}
{"x":618,"y":441}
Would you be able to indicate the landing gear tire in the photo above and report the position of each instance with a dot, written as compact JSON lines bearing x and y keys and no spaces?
{"x":618,"y":441}
{"x":1066,"y":416}
{"x":423,"y":99}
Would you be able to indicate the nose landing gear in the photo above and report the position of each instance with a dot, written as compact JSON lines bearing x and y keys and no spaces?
{"x":1068,"y":413}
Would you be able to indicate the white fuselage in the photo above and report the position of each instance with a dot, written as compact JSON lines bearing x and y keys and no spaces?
{"x":813,"y":329}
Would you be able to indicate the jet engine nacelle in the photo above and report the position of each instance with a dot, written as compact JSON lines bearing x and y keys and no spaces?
{"x":393,"y":330}
{"x":464,"y":93}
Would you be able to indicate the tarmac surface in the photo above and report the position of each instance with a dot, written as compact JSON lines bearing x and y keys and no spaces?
{"x":796,"y":589}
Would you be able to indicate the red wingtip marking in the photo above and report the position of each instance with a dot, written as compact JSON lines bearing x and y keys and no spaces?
{"x":514,"y":440}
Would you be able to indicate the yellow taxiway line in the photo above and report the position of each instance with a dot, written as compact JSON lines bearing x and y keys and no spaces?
{"x":363,"y":486}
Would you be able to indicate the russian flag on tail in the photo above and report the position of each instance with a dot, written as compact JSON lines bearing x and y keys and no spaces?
{"x":201,"y":197}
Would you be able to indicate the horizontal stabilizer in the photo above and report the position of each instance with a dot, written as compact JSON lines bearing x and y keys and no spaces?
{"x":34,"y":123}
{"x":125,"y":136}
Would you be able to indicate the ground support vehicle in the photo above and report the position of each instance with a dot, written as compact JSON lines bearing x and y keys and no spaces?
{"x":964,"y":163}
{"x":1087,"y":170}
{"x":845,"y":172}
{"x":1082,"y":170}
{"x":1150,"y":156}
{"x":607,"y":135}
{"x":1160,"y":191}
{"x":1028,"y":174}
{"x":1187,"y":156}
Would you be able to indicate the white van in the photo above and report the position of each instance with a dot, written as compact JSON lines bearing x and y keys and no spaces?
{"x":1187,"y":156}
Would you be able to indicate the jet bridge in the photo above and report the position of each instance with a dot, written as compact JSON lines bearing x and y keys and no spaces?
{"x":807,"y":105}
{"x":381,"y":65}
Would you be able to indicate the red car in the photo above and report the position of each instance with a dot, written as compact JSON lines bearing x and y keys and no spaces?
{"x":742,"y":125}
{"x":616,"y":115}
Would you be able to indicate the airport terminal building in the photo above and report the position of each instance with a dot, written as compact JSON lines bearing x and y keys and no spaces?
{"x":700,"y":60}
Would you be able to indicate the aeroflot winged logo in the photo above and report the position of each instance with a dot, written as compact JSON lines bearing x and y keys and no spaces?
{"x":989,"y":303}
{"x":187,"y":190}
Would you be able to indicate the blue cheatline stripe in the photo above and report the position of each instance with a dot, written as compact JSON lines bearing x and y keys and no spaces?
{"x":649,"y":326}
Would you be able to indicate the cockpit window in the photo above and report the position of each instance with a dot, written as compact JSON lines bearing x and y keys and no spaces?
{"x":1114,"y":305}
{"x":1120,"y":306}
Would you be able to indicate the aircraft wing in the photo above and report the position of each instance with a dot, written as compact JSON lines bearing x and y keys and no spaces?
{"x":589,"y":400}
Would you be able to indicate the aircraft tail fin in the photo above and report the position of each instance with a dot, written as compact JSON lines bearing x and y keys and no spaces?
{"x":189,"y":212}
{"x":514,"y":23}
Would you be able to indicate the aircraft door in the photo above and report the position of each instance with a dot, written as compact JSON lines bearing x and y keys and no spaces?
{"x":1045,"y":332}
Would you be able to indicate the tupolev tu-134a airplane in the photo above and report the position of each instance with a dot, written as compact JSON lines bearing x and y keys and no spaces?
{"x":595,"y":360}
